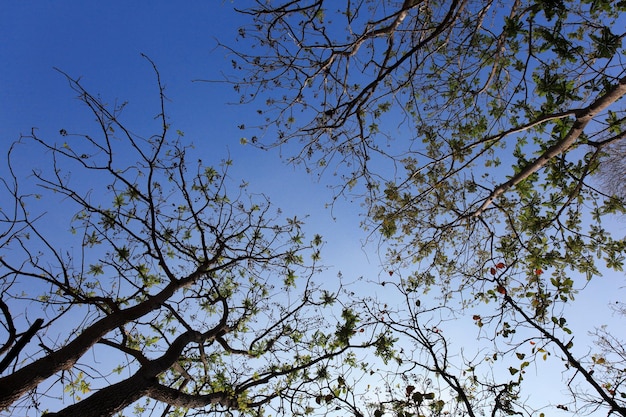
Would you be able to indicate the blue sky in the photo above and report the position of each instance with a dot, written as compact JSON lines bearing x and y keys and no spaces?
{"x":102,"y":43}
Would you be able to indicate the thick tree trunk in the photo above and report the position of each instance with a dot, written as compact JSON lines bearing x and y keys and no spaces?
{"x":116,"y":397}
{"x":109,"y":400}
{"x":14,"y":386}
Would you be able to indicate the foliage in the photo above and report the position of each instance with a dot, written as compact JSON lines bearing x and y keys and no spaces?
{"x":472,"y":131}
{"x":172,"y":284}
{"x":613,"y":169}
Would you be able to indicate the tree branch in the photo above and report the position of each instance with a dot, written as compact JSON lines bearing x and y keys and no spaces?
{"x":583,"y":117}
{"x":17,"y":348}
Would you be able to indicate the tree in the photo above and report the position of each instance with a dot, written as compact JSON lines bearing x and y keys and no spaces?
{"x":472,"y":131}
{"x":179,"y":289}
{"x":613,"y":169}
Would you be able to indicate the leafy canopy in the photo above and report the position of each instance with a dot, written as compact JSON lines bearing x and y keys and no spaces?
{"x":472,"y":131}
{"x":174,"y":290}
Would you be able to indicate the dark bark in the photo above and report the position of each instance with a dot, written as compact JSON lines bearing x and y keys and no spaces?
{"x":6,"y":361}
{"x":116,"y":397}
{"x":14,"y":386}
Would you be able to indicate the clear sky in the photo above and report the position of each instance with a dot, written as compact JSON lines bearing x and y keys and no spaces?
{"x":101,"y":42}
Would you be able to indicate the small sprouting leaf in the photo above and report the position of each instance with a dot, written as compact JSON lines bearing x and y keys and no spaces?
{"x":290,"y":278}
{"x":118,"y":201}
{"x":96,"y":269}
{"x":123,"y":253}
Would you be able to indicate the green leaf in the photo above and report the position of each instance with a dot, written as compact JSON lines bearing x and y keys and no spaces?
{"x":96,"y":269}
{"x":607,"y":44}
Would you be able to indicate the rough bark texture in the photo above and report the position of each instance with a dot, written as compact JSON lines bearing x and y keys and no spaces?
{"x":109,"y":400}
{"x":14,"y":386}
{"x":116,"y":397}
